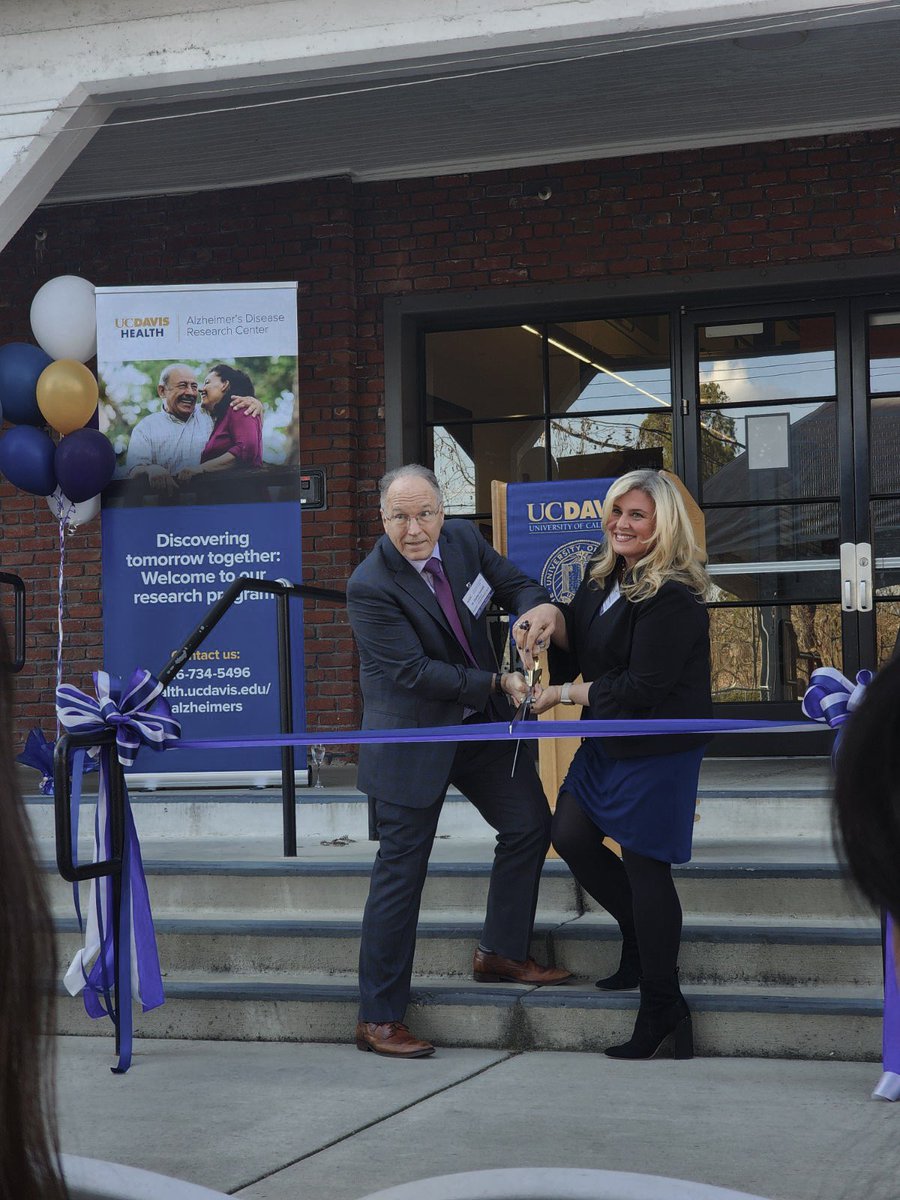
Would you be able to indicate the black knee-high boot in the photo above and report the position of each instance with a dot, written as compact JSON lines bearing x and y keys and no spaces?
{"x":663,"y":1020}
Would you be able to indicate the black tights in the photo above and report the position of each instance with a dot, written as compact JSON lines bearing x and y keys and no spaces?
{"x":638,"y":892}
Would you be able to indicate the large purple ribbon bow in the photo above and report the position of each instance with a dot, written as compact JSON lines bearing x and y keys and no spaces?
{"x":138,"y":712}
{"x":831,"y":697}
{"x":140,"y":715}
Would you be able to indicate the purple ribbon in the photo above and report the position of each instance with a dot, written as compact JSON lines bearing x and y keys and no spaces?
{"x":140,"y":716}
{"x":493,"y":731}
{"x":38,"y":753}
{"x":888,"y":1087}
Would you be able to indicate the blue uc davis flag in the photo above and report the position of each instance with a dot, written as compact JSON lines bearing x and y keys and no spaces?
{"x":553,"y":529}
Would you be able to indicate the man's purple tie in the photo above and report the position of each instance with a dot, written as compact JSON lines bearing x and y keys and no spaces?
{"x":444,"y":597}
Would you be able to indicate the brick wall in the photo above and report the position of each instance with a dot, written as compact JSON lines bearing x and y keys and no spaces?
{"x":350,"y":246}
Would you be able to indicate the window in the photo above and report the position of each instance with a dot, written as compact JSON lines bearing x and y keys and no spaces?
{"x":546,"y":400}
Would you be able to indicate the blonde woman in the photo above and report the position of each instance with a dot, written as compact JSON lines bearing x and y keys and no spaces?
{"x":637,"y":632}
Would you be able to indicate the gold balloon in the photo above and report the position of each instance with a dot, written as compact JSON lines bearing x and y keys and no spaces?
{"x":67,"y":395}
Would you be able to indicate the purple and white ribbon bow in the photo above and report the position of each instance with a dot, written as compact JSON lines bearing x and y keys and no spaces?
{"x":140,"y":715}
{"x":831,"y":697}
{"x":139,"y":712}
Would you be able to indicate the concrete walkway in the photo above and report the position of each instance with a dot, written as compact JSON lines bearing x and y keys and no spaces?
{"x":291,"y":1121}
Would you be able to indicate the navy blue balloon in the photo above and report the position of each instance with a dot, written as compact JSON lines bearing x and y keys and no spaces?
{"x":26,"y":459}
{"x":85,"y":462}
{"x":20,"y":367}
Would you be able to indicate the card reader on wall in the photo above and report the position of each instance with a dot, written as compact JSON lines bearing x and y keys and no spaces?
{"x":312,"y":488}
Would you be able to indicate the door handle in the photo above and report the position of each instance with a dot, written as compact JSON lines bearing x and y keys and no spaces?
{"x":864,"y":575}
{"x":856,"y":577}
{"x":849,"y":576}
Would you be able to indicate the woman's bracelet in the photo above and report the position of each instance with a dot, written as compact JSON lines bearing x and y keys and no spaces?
{"x":565,"y":694}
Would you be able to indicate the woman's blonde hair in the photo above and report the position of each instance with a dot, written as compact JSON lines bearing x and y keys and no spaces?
{"x":672,"y":553}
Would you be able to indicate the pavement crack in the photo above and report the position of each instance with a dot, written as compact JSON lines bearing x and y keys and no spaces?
{"x":352,"y":1133}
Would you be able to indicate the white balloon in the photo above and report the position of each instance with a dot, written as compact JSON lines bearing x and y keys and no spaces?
{"x":73,"y":514}
{"x":64,"y":318}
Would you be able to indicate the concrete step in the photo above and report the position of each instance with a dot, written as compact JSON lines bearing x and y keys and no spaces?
{"x":738,"y":800}
{"x":302,"y":886}
{"x":754,"y":887}
{"x":180,"y":817}
{"x":336,"y":879}
{"x":726,"y":951}
{"x":764,"y":1022}
{"x":732,"y":950}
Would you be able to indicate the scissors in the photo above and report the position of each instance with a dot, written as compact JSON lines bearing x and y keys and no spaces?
{"x":532,"y":678}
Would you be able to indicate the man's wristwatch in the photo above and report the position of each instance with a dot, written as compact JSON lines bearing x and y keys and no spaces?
{"x":497,"y":687}
{"x":565,"y":694}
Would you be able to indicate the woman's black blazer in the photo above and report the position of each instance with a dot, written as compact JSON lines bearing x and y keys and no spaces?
{"x":648,"y":659}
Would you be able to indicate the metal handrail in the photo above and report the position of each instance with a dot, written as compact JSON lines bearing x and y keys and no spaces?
{"x":18,"y":587}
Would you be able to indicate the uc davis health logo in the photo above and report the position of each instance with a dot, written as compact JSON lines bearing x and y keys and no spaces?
{"x":564,"y":569}
{"x":142,"y":327}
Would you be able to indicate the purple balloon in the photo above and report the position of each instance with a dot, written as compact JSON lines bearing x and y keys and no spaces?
{"x":20,"y":367}
{"x":85,"y":462}
{"x":26,"y":459}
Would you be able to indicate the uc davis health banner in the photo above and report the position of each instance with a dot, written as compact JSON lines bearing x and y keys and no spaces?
{"x":553,"y":529}
{"x":198,"y":395}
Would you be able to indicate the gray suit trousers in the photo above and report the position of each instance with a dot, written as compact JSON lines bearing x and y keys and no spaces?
{"x":516,"y":808}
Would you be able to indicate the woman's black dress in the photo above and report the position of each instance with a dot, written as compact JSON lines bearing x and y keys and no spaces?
{"x":648,"y":659}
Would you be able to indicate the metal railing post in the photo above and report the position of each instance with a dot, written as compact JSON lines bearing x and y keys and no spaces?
{"x":117,"y":849}
{"x":286,"y":703}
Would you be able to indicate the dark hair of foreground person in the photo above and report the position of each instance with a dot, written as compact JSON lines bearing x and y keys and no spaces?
{"x":867,"y":791}
{"x":29,"y":1151}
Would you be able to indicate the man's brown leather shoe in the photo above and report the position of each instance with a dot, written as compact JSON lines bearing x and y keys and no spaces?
{"x":391,"y":1039}
{"x":494,"y":968}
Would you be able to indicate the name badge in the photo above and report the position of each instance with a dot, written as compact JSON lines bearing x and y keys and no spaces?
{"x":477,"y":597}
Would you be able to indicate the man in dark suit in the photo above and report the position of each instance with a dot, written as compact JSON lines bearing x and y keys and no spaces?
{"x":417,"y":607}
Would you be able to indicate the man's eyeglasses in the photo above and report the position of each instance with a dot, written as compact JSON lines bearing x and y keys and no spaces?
{"x":402,"y":520}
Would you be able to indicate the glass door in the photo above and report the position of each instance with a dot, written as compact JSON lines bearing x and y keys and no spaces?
{"x":769,"y":452}
{"x":876,"y":337}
